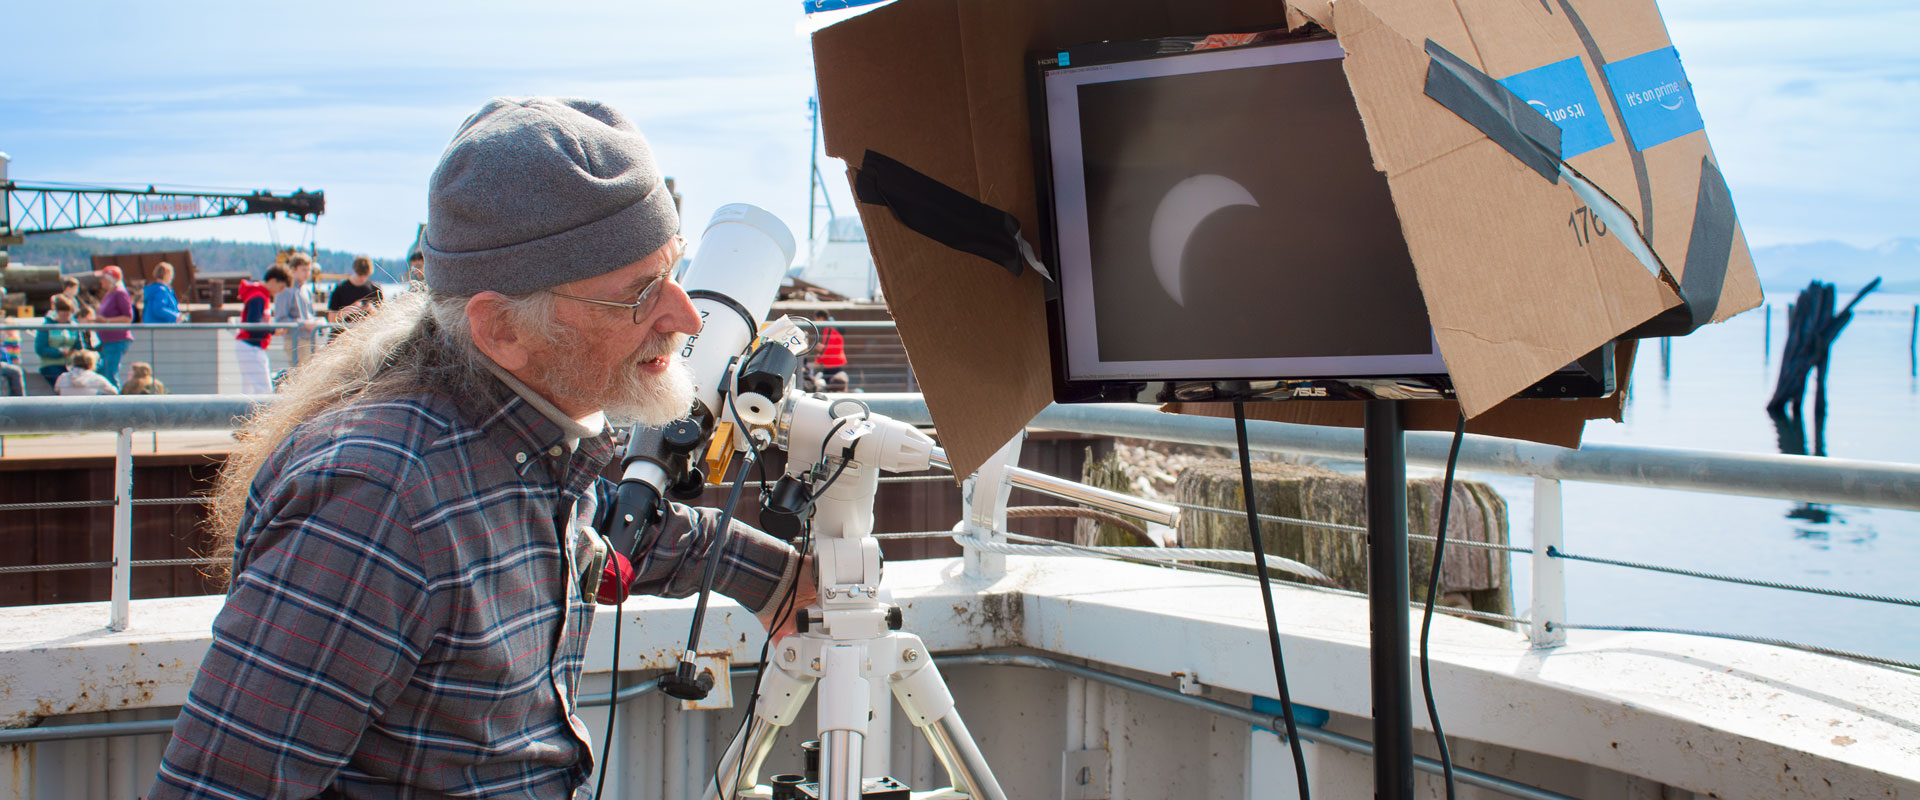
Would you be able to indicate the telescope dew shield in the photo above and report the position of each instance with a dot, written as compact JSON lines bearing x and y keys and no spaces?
{"x":735,"y":274}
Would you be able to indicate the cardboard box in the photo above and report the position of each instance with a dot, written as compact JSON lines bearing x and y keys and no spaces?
{"x":1518,"y":277}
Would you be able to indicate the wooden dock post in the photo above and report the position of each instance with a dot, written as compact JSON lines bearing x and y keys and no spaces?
{"x":1812,"y":328}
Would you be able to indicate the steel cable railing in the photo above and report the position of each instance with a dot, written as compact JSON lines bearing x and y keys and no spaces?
{"x":61,"y":505}
{"x":1741,"y":637}
{"x":1555,"y":552}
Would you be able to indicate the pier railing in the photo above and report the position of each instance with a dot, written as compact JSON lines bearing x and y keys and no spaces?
{"x":187,"y":357}
{"x":1799,"y":478}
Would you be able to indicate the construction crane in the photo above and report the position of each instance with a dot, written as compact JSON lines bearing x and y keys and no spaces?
{"x":56,"y":208}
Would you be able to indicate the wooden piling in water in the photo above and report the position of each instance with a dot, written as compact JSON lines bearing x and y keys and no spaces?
{"x":1766,"y":342}
{"x":1812,"y":328}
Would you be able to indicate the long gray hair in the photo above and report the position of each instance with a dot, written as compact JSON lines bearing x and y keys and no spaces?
{"x":416,"y":342}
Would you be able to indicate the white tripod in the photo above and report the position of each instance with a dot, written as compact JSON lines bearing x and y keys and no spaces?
{"x":851,"y":634}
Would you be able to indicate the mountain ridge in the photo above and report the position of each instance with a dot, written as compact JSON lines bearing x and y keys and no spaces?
{"x":1781,"y":267}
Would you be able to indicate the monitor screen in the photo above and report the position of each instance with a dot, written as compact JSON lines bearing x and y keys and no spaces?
{"x":1216,"y":219}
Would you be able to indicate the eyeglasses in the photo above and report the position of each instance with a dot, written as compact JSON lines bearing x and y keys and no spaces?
{"x":642,"y":306}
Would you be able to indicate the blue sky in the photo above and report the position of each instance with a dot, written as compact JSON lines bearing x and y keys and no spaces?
{"x":1814,"y":109}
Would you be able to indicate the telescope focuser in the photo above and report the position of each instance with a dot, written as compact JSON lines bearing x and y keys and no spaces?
{"x":679,"y":442}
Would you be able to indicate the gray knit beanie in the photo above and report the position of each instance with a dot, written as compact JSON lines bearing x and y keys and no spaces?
{"x":535,"y":192}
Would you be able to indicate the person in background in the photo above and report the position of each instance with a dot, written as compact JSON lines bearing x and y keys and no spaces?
{"x":115,"y":306}
{"x":13,"y":379}
{"x":297,"y":306}
{"x":56,"y":345}
{"x":250,"y":347}
{"x":161,"y":303}
{"x":80,"y":380}
{"x":831,"y":365}
{"x":140,"y":380}
{"x":355,"y":296}
{"x":82,"y":302}
{"x":416,"y":268}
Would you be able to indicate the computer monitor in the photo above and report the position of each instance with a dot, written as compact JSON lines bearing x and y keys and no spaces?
{"x":1220,"y":231}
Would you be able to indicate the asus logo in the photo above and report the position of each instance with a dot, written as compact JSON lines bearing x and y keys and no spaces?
{"x":1309,"y":391}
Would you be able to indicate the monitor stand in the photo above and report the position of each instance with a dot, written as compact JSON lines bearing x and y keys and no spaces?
{"x":1387,"y":595}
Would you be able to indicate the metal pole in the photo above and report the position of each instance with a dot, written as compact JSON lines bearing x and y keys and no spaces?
{"x":1549,"y":573}
{"x":1766,"y":343}
{"x":122,"y":530}
{"x":1913,"y":344}
{"x":813,"y":171}
{"x":1387,"y":601}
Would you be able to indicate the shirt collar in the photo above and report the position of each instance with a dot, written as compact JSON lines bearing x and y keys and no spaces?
{"x":571,"y":430}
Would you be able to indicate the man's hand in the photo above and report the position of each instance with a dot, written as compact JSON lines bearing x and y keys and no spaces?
{"x":804,"y":594}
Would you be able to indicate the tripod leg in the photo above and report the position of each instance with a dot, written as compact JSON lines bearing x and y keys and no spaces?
{"x":923,"y":695}
{"x":740,"y":766}
{"x":781,"y":695}
{"x":955,"y":748}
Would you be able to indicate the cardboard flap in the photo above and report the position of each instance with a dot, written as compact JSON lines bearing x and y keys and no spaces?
{"x":1522,"y":272}
{"x":940,"y":86}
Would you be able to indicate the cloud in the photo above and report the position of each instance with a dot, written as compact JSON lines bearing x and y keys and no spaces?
{"x":1812,"y":128}
{"x":1811,"y":109}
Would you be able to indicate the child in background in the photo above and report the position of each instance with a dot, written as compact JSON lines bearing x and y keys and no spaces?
{"x":250,"y":347}
{"x":141,"y":381}
{"x":80,"y":380}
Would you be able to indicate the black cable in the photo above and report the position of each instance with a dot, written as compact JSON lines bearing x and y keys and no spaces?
{"x":1266,"y":597}
{"x":753,"y":696}
{"x":846,"y":455}
{"x":619,"y":608}
{"x":1433,"y":589}
{"x":720,"y":535}
{"x":613,"y":706}
{"x":725,"y":526}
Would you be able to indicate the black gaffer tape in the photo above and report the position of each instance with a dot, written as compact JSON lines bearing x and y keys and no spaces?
{"x":1529,"y":136}
{"x":1493,"y":108}
{"x":1708,"y":250}
{"x":940,"y":212}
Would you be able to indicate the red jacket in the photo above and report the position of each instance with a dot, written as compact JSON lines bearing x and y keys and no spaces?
{"x":835,"y":353}
{"x":249,"y":291}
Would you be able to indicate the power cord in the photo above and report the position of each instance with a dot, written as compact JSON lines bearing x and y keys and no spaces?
{"x":613,"y":670}
{"x":1433,"y":589}
{"x":805,"y":548}
{"x":1266,"y":596}
{"x":613,"y":702}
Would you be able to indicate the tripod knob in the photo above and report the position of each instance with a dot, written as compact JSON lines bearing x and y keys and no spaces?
{"x":684,"y":684}
{"x":894,"y":620}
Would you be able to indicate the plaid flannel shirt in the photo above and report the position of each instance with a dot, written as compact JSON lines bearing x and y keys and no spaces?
{"x":407,"y":617}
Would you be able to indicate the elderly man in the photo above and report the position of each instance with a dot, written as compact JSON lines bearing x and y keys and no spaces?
{"x":413,"y":576}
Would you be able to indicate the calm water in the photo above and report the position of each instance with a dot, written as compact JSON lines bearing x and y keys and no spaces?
{"x":1715,"y":398}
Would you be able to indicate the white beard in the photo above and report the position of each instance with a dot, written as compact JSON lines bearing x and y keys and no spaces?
{"x":629,"y":395}
{"x":654,"y":399}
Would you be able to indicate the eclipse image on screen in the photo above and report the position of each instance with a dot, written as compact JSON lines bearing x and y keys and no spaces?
{"x":1237,"y":214}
